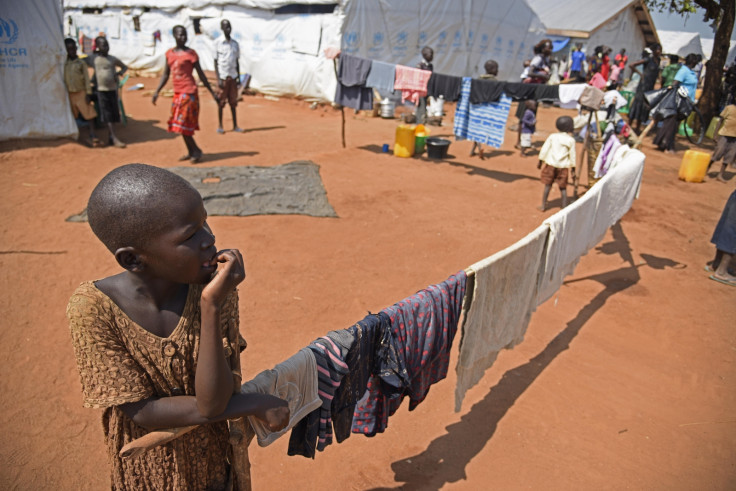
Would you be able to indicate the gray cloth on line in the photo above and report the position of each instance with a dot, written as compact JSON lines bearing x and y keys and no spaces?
{"x":382,"y":76}
{"x":499,"y":307}
{"x":295,"y":381}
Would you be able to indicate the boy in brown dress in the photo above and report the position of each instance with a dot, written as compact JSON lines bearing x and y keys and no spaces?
{"x":157,"y":346}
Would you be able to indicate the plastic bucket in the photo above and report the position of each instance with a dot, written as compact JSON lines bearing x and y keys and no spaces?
{"x":419,"y":143}
{"x":437,"y":147}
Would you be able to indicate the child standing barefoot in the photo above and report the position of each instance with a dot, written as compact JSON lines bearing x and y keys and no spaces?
{"x":528,"y":126}
{"x":106,"y":86}
{"x":555,"y":158}
{"x":157,"y":345}
{"x":181,"y":62}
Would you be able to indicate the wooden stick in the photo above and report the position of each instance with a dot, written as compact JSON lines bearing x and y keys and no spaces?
{"x":648,"y":128}
{"x":576,"y":181}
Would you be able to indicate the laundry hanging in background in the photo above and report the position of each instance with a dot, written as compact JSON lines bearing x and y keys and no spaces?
{"x":485,"y":90}
{"x":423,"y":327}
{"x":447,"y":86}
{"x":605,"y":157}
{"x":618,"y":188}
{"x":351,"y":90}
{"x":571,"y":236}
{"x":483,"y":123}
{"x":293,"y":380}
{"x":382,"y":77}
{"x":358,"y":347}
{"x":501,"y":297}
{"x":412,"y":82}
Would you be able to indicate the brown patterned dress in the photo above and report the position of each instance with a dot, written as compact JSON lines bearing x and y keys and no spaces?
{"x":120,"y":362}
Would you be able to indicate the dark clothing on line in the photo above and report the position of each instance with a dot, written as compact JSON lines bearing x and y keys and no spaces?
{"x":547,"y":92}
{"x":447,"y":86}
{"x":520,"y":91}
{"x":423,"y":327}
{"x":351,"y":91}
{"x":485,"y":90}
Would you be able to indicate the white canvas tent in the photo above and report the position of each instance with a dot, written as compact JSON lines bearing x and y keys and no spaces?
{"x":34,"y":101}
{"x":282,"y":47}
{"x":680,"y":43}
{"x":618,"y":24}
{"x":463,"y":33}
{"x":707,"y":45}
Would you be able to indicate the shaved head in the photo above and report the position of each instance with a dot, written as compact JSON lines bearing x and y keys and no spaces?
{"x":134,"y":203}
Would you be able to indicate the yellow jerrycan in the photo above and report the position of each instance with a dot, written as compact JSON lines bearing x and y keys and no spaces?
{"x":404,"y":145}
{"x":694,"y":165}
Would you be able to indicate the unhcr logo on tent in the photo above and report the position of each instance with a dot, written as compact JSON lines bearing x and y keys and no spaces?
{"x":350,"y":42}
{"x":377,"y":44}
{"x":8,"y":55}
{"x":8,"y":31}
{"x":400,"y":48}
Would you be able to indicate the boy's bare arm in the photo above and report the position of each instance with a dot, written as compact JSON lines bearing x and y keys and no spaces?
{"x":213,"y":382}
{"x":164,"y":79}
{"x":179,"y":411}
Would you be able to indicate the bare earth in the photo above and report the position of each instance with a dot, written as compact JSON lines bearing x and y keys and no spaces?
{"x":627,"y":380}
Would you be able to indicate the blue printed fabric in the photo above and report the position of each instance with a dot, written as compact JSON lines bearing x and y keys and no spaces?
{"x":423,"y":327}
{"x":483,"y":123}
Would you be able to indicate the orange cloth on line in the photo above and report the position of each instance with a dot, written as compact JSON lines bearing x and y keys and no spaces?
{"x":412,"y":82}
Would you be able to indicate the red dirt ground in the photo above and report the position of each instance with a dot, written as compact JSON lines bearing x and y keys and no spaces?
{"x":627,"y":380}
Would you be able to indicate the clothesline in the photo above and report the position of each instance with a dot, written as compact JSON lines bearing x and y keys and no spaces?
{"x":352,"y":380}
{"x":483,"y":105}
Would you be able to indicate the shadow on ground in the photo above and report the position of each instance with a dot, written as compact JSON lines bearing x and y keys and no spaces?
{"x":473,"y":170}
{"x":446,"y":457}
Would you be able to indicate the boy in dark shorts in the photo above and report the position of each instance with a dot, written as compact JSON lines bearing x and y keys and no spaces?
{"x":227,"y":68}
{"x":106,"y":86}
{"x":158,"y":345}
{"x":555,"y":158}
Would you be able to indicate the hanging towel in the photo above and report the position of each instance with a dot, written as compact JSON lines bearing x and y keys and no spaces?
{"x":295,"y":381}
{"x":382,"y":77}
{"x":520,"y":91}
{"x":351,"y":90}
{"x":423,"y":327}
{"x":485,"y":90}
{"x":617,"y":190}
{"x":498,"y":309}
{"x":571,"y":236}
{"x":591,"y":97}
{"x":447,"y":86}
{"x":547,"y":92}
{"x":412,"y":82}
{"x":570,"y":94}
{"x":484,"y":123}
{"x":605,"y":157}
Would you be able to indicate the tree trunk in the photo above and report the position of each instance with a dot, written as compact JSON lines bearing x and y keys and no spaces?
{"x":709,"y":100}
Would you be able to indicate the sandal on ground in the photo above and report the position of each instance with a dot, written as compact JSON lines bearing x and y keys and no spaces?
{"x":184,"y":157}
{"x":196,"y":158}
{"x":709,"y":268}
{"x":722,"y":280}
{"x":220,"y":131}
{"x":238,"y":130}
